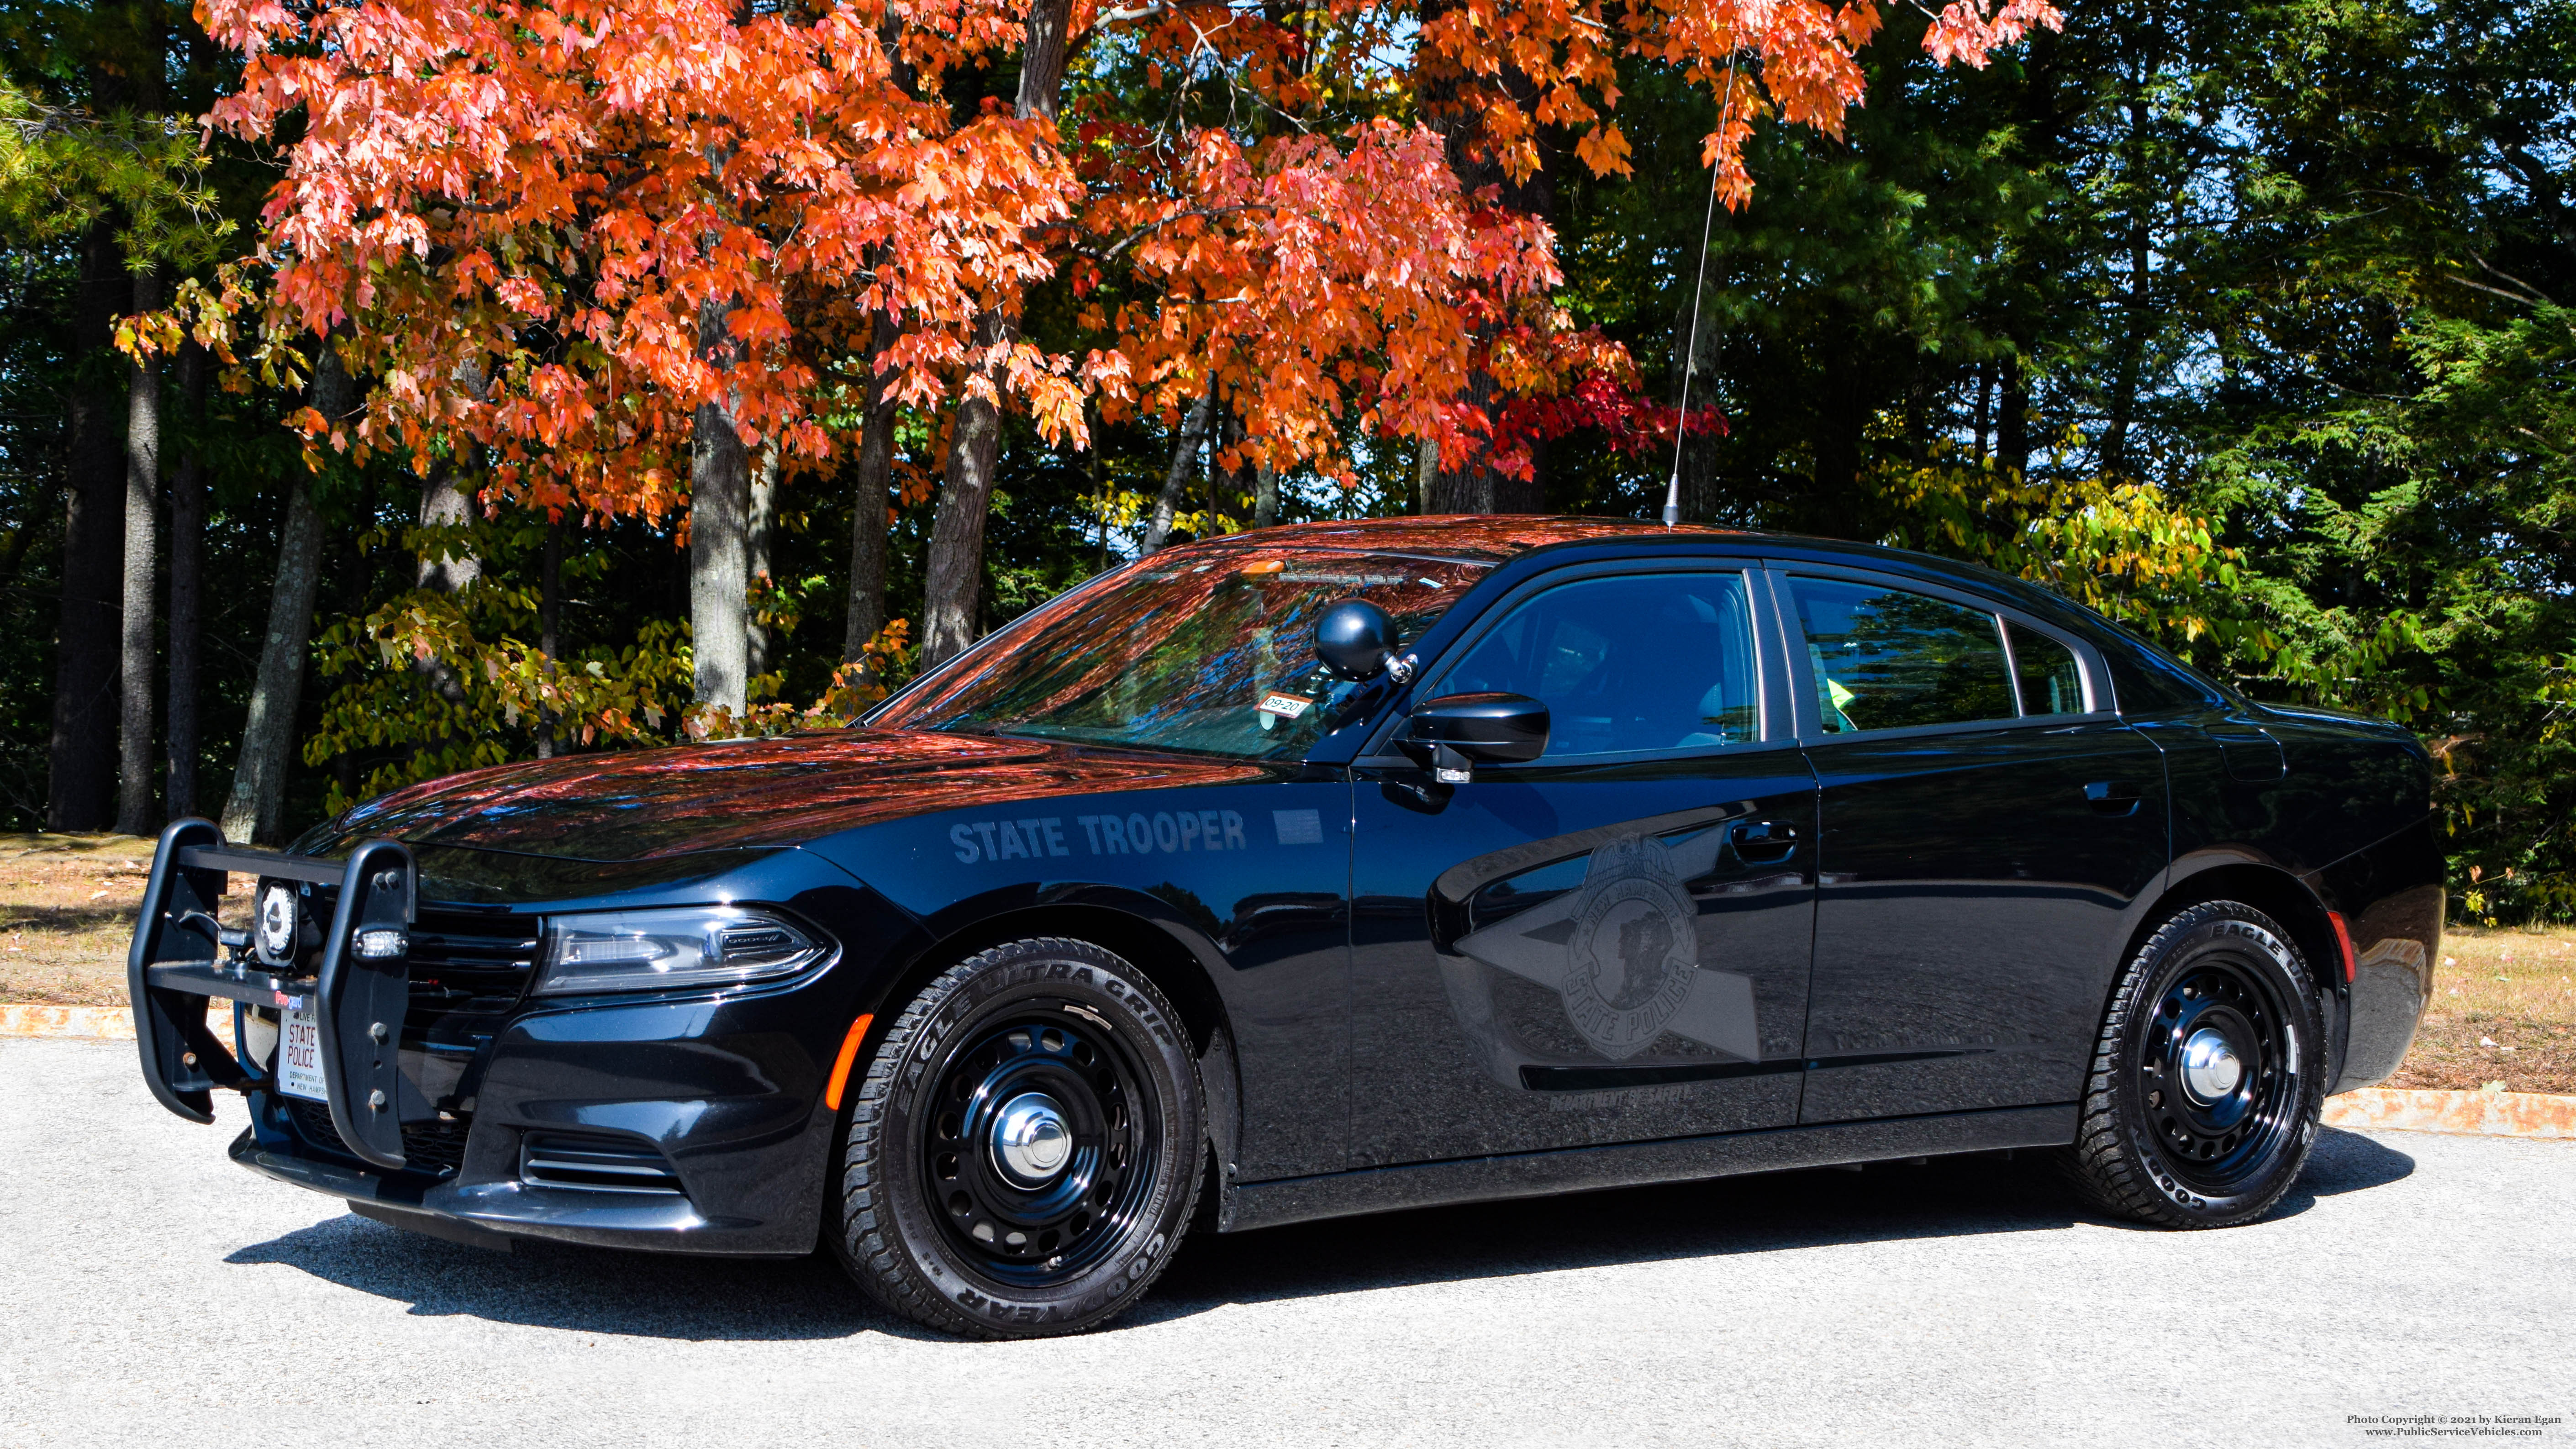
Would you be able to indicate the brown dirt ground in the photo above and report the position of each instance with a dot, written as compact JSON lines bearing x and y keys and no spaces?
{"x":2503,"y":1009}
{"x":67,"y":905}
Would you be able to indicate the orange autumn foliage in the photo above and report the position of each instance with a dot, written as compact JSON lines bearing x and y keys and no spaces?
{"x":558,"y":226}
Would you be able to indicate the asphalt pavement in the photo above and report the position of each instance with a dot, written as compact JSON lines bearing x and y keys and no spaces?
{"x":150,"y":1291}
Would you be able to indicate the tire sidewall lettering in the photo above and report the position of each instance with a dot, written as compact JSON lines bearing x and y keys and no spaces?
{"x":2175,"y":954}
{"x":1125,"y":1003}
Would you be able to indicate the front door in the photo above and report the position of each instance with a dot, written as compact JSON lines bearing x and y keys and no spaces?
{"x":1609,"y":943}
{"x":1985,"y":831}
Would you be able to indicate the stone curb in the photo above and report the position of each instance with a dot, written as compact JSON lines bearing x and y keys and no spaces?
{"x":105,"y":1023}
{"x":116,"y":1023}
{"x":2373,"y":1109}
{"x":2477,"y":1114}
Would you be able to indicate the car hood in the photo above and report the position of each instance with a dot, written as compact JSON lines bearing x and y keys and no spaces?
{"x":746,"y":794}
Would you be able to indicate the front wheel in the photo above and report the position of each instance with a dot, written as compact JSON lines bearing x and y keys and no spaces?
{"x":1023,"y":1154}
{"x":2208,"y":1076}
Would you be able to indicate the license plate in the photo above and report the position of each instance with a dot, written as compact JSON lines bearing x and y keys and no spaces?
{"x":299,"y":1054}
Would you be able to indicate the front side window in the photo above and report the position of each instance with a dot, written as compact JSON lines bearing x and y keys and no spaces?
{"x":1625,"y":663}
{"x":1206,"y":650}
{"x":1887,"y":659}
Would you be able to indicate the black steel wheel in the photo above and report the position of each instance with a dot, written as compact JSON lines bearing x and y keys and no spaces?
{"x":2208,"y":1076}
{"x":1023,"y":1153}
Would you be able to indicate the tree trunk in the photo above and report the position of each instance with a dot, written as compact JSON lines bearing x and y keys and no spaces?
{"x":719,"y":551}
{"x":80,"y":788}
{"x":187,"y":552}
{"x":953,"y":574}
{"x":1469,"y":483}
{"x":134,"y":794}
{"x":2012,"y":419}
{"x":447,"y":561}
{"x":446,"y":565}
{"x":1185,"y":451}
{"x":1243,"y":480}
{"x":719,"y":560}
{"x":953,"y":583}
{"x":759,"y":538}
{"x":869,"y":491}
{"x":1985,"y":378}
{"x":1846,"y":400}
{"x":549,"y":620}
{"x":1696,"y":445}
{"x":268,"y":737}
{"x":1476,"y":486}
{"x":1426,"y":471}
{"x":2133,"y":344}
{"x":1265,"y":495}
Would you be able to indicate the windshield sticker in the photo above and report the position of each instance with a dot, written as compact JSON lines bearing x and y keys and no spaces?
{"x":1276,"y":707}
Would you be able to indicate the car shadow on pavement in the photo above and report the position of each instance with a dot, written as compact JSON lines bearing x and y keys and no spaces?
{"x":596,"y":1290}
{"x":2342,"y":1162}
{"x":1947,"y":1197}
{"x":587,"y":1290}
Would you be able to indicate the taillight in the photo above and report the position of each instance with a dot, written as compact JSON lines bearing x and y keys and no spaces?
{"x":2343,"y":943}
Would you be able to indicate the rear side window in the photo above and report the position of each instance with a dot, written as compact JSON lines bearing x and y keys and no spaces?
{"x":1628,"y":663}
{"x":2050,"y":681}
{"x":1886,"y":659}
{"x":2148,"y":683}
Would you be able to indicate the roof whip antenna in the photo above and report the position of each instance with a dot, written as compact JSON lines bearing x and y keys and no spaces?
{"x":1699,"y":286}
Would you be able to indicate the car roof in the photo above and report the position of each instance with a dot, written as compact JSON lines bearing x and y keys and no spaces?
{"x":1493,"y":538}
{"x":1474,"y":537}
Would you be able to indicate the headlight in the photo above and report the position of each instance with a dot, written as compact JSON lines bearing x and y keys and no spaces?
{"x":670,"y":950}
{"x":276,"y":918}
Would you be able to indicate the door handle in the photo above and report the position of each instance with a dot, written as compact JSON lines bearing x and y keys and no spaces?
{"x":1763,"y":842}
{"x":2113,"y":797}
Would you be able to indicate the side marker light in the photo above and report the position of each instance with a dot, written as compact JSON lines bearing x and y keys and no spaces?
{"x":849,"y":1054}
{"x":2343,"y":943}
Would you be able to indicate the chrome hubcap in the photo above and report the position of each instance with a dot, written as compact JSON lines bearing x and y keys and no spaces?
{"x":1031,"y":1143}
{"x":2210,"y":1069}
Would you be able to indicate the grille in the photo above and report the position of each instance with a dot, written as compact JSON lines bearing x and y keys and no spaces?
{"x":465,"y":962}
{"x":595,"y":1164}
{"x":435,"y":1148}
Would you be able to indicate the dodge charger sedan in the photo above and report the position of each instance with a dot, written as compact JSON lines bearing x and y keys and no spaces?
{"x":1331,"y":869}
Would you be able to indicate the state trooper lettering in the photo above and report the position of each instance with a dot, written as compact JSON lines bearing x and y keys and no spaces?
{"x":1164,"y":832}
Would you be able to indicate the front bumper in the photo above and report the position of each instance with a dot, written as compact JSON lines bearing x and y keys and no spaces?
{"x":721,"y":1098}
{"x":676,"y":1123}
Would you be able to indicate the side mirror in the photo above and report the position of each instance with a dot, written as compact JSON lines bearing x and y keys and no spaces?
{"x":1355,"y":640}
{"x":1458,"y":731}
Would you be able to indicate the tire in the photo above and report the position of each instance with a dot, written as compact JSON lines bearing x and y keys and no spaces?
{"x":2160,"y":1142}
{"x":1023,"y":1154}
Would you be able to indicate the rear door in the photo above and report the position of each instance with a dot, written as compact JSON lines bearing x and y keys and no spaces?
{"x":1609,"y":943}
{"x":1986,"y":823}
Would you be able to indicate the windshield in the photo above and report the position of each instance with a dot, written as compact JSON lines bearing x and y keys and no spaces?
{"x":1186,"y":651}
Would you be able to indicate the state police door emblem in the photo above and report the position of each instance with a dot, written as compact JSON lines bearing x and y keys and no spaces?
{"x":1623,"y":951}
{"x":1634,"y":950}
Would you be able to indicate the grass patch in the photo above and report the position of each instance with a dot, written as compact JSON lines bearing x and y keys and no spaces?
{"x":2503,"y":1008}
{"x":67,"y":908}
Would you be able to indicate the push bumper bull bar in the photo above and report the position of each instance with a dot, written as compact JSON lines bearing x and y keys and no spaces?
{"x":182,"y":958}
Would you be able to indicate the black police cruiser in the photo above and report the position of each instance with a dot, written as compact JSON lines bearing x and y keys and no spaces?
{"x":1324,"y":870}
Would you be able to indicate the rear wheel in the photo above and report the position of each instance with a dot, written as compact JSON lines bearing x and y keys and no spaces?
{"x":2208,"y":1075}
{"x":1022,"y":1154}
